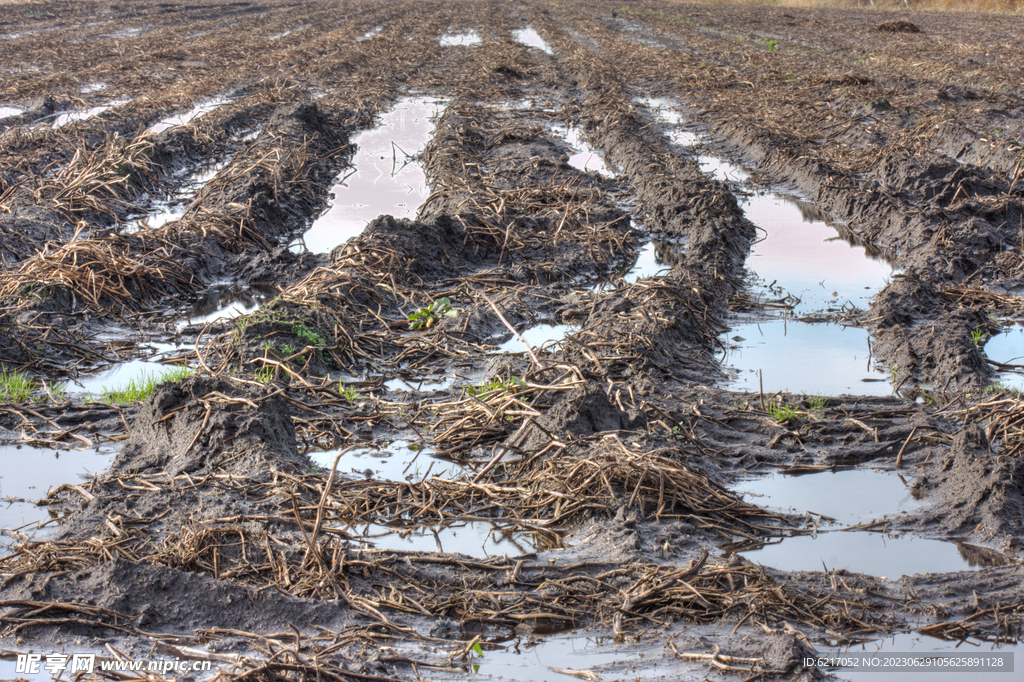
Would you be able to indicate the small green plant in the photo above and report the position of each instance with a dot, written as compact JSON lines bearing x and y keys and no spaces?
{"x":427,"y":317}
{"x":348,"y":393}
{"x":781,"y":412}
{"x":265,"y":374}
{"x":894,"y":371}
{"x":310,"y":336}
{"x":978,"y":337}
{"x":817,"y":402}
{"x":510,"y":385}
{"x":56,"y":391}
{"x":15,"y":387}
{"x":141,"y":388}
{"x":287,"y":349}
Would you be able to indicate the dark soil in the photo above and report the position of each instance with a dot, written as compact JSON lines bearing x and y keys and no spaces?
{"x":609,"y":451}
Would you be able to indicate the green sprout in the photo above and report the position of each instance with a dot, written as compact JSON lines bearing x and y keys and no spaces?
{"x":427,"y":317}
{"x":347,"y":392}
{"x":510,"y":385}
{"x":15,"y":387}
{"x":265,"y":374}
{"x":139,"y":389}
{"x":311,"y":337}
{"x":978,"y":337}
{"x":781,"y":412}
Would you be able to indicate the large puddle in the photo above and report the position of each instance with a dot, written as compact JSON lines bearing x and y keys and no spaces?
{"x":29,"y":474}
{"x":398,"y":460}
{"x":529,"y":37}
{"x":226,"y":302}
{"x":805,"y":257}
{"x":852,"y":498}
{"x":566,"y":658}
{"x":71,"y":116}
{"x":478,"y":539}
{"x":463,"y":39}
{"x":1007,"y":349}
{"x":797,"y":357}
{"x":873,"y":553}
{"x":801,"y":265}
{"x":121,"y":374}
{"x":878,"y":494}
{"x":920,"y":645}
{"x":385,"y":177}
{"x":584,"y":157}
{"x":188,"y":116}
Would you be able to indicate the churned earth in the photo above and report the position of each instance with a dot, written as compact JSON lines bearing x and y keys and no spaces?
{"x":523,"y":341}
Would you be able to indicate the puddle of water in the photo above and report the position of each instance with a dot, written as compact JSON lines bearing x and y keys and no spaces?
{"x":465,"y":39}
{"x":369,"y":34}
{"x":807,"y":258}
{"x":798,"y":357}
{"x":30,"y":473}
{"x":418,"y":385}
{"x":120,"y":374}
{"x":385,"y":178}
{"x":175,"y":206}
{"x":528,"y":36}
{"x":71,"y":116}
{"x":478,"y":539}
{"x":875,"y":554}
{"x":878,"y":494}
{"x":227,"y":302}
{"x":396,"y":461}
{"x":1008,"y":348}
{"x":188,"y":116}
{"x":722,"y":170}
{"x":667,"y":111}
{"x":10,"y":111}
{"x":567,"y":658}
{"x":537,"y":336}
{"x":914,"y":643}
{"x":277,"y":36}
{"x":585,"y":159}
{"x":93,"y":87}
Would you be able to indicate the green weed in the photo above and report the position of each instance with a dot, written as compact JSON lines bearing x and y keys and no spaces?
{"x":57,"y":391}
{"x":141,"y":388}
{"x":781,"y":412}
{"x":510,"y":385}
{"x":288,"y":349}
{"x":15,"y":387}
{"x":817,"y":402}
{"x":978,"y":337}
{"x":265,"y":374}
{"x":310,"y":336}
{"x":348,"y":393}
{"x":427,"y":317}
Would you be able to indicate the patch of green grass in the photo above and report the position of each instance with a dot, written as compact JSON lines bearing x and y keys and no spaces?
{"x":817,"y":402}
{"x":15,"y":387}
{"x":427,"y":317}
{"x":265,"y":374}
{"x":310,"y":336}
{"x":141,"y":388}
{"x":510,"y":385}
{"x":56,"y":391}
{"x":287,"y":349}
{"x":1000,"y":387}
{"x":781,"y":412}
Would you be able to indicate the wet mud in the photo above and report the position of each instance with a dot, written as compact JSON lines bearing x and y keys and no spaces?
{"x":512,"y":340}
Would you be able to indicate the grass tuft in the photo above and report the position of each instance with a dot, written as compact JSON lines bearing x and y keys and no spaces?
{"x":15,"y":387}
{"x":141,"y":388}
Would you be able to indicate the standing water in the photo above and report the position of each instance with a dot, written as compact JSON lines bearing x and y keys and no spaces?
{"x":385,"y":176}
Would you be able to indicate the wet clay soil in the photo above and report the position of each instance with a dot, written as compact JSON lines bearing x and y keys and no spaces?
{"x":370,"y":476}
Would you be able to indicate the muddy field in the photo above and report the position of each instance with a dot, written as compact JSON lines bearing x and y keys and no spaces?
{"x":525,"y":341}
